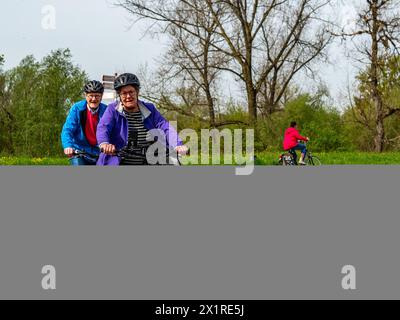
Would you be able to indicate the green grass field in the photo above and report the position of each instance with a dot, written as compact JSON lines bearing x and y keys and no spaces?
{"x":269,"y":158}
{"x":340,"y":158}
{"x":26,"y":161}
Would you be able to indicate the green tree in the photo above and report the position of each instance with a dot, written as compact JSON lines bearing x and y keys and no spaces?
{"x":22,"y":82}
{"x":322,"y":123}
{"x":41,"y":93}
{"x":6,"y":118}
{"x":61,"y":85}
{"x":378,"y":28}
{"x":361,"y":116}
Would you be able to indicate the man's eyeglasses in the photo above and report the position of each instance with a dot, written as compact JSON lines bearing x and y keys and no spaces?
{"x":94,"y":96}
{"x":128,"y":93}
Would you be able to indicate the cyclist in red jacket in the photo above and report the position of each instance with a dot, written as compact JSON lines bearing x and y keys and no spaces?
{"x":292,"y":140}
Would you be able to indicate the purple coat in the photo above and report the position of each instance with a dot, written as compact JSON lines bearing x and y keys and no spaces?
{"x":113,"y":129}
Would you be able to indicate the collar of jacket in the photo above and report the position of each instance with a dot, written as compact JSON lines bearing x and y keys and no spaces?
{"x":93,"y":112}
{"x":143,"y":109}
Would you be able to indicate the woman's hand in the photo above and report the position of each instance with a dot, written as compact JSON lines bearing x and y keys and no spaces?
{"x":108,"y":149}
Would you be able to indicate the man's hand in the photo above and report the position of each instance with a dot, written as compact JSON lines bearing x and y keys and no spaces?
{"x":108,"y":149}
{"x":182,"y":150}
{"x":69,"y":152}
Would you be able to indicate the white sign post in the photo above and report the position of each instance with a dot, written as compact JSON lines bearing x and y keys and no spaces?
{"x":109,"y":93}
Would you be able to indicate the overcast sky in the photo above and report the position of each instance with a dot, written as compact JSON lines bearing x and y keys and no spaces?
{"x":97,"y":33}
{"x":102,"y":42}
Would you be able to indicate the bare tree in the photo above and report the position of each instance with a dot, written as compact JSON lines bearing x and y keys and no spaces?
{"x":293,"y":45}
{"x":192,"y":56}
{"x":174,"y":93}
{"x":270,"y":43}
{"x":378,"y":26}
{"x":242,"y":33}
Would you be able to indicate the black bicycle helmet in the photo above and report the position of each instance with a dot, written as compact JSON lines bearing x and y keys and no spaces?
{"x":126,"y":79}
{"x":94,"y":87}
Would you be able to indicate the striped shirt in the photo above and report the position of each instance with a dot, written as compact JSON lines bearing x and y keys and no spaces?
{"x":138,"y":136}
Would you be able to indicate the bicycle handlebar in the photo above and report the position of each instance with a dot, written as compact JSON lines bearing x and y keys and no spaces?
{"x":83,"y":153}
{"x":133,"y":152}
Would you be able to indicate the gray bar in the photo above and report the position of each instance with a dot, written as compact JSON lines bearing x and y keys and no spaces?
{"x":199,"y":232}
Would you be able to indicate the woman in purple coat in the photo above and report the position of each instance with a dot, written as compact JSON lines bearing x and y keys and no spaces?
{"x":128,"y":126}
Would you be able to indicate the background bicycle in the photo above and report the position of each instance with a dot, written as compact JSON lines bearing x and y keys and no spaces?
{"x":289,"y":158}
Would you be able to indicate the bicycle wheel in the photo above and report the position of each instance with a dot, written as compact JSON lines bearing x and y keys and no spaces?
{"x":314,"y":161}
{"x":287,"y":160}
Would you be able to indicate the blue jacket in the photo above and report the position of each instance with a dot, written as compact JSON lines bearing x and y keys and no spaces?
{"x":73,"y":133}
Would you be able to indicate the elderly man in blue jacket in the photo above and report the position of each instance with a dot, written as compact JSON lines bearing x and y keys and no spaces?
{"x":79,"y":132}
